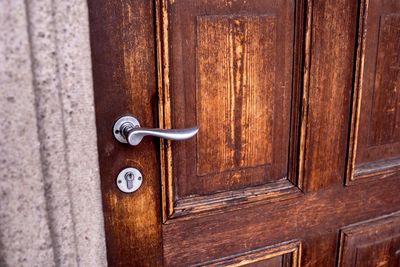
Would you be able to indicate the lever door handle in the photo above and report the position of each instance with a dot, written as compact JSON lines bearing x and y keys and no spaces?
{"x":127,"y":130}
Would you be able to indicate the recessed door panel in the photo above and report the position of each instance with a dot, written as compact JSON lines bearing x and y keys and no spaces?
{"x":376,"y":113}
{"x":230,"y":71}
{"x":371,"y":243}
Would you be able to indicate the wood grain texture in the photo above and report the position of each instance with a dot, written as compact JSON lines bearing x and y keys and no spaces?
{"x":123,"y":55}
{"x":230,"y":71}
{"x":236,"y":59}
{"x":224,"y":201}
{"x":314,"y":218}
{"x":329,"y":86}
{"x":374,"y":242}
{"x":385,"y":126}
{"x":287,"y":254}
{"x":375,"y":130}
{"x":235,"y":199}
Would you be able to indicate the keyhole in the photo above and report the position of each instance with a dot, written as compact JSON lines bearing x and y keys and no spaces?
{"x":129,"y":180}
{"x":129,"y":176}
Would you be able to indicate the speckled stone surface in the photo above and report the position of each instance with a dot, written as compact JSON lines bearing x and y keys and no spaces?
{"x":50,"y":201}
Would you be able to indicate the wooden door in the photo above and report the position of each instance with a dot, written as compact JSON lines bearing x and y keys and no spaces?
{"x":297,"y":160}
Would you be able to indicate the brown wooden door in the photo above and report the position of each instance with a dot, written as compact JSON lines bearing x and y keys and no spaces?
{"x":297,"y":160}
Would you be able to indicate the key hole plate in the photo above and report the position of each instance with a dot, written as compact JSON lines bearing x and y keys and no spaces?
{"x":122,"y":182}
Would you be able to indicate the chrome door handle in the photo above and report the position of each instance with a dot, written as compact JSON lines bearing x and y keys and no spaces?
{"x":127,"y":130}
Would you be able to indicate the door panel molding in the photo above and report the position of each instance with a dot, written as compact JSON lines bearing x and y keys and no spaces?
{"x":286,"y":254}
{"x":375,"y":111}
{"x":371,"y":243}
{"x":233,"y":162}
{"x":310,"y":217}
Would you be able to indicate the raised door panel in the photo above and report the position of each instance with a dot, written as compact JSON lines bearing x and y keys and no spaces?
{"x":229,"y":67}
{"x":371,"y":243}
{"x":236,"y":58}
{"x":375,"y":142}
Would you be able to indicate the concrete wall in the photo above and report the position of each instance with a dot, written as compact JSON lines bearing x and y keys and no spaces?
{"x":50,"y":201}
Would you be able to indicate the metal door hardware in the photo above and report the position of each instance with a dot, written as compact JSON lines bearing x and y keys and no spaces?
{"x":127,"y":130}
{"x":129,"y":180}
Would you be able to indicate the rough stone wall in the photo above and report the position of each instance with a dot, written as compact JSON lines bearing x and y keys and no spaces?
{"x":50,"y":201}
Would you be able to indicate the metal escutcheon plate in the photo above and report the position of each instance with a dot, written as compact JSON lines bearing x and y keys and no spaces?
{"x":129,"y":180}
{"x":117,"y":126}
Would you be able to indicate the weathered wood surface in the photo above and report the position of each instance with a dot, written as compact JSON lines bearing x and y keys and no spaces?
{"x":296,"y":101}
{"x":123,"y":55}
